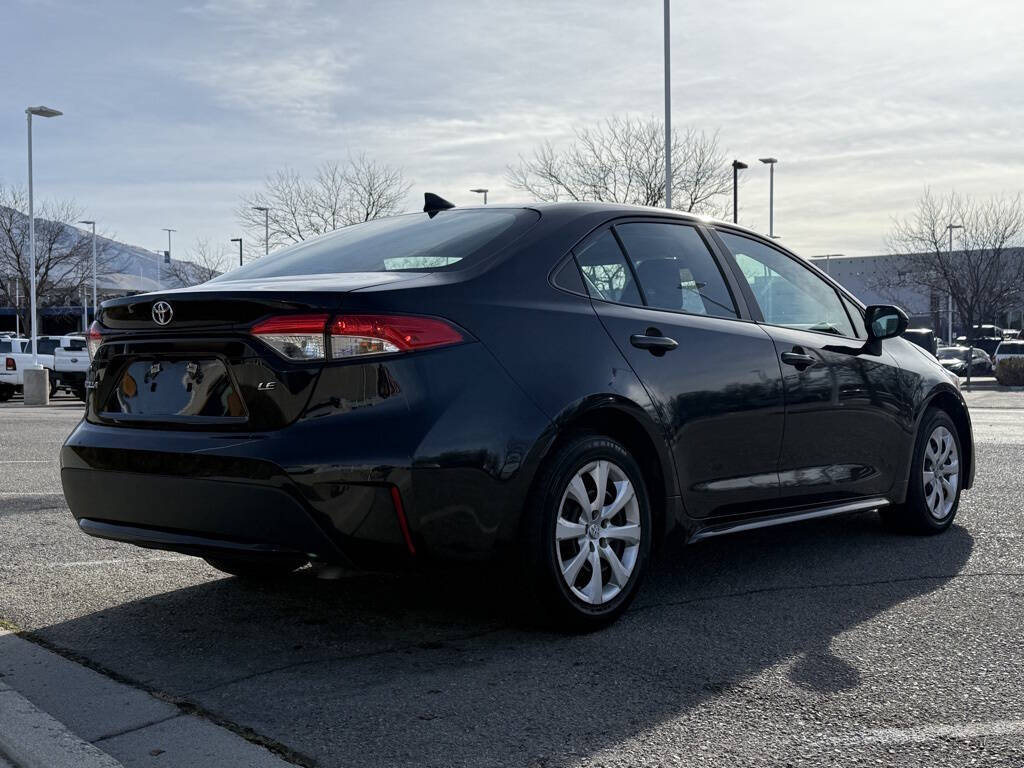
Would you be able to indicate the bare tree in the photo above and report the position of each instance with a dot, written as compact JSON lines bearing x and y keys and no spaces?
{"x":984,"y":274}
{"x":622,"y":160}
{"x":202,"y":262}
{"x":361,"y":189}
{"x":63,"y":252}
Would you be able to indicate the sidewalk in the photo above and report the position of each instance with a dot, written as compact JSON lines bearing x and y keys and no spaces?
{"x":56,"y":713}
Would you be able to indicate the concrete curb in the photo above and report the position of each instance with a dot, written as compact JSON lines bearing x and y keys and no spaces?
{"x":30,"y":738}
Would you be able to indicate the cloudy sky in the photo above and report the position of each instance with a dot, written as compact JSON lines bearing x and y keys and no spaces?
{"x":173,"y":110}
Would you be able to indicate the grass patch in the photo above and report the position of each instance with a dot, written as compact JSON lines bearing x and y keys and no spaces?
{"x":6,"y":625}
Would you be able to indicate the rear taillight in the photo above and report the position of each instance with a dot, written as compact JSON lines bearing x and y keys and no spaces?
{"x":93,"y":339}
{"x":11,"y":364}
{"x":303,"y":337}
{"x":358,"y":335}
{"x":296,"y":337}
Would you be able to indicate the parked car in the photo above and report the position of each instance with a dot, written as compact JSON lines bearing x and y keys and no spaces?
{"x":70,"y":365}
{"x":561,"y":385}
{"x":955,"y":359}
{"x":16,"y":356}
{"x":1009,"y":348}
{"x":987,"y":343}
{"x":923,"y":337}
{"x":65,"y":357}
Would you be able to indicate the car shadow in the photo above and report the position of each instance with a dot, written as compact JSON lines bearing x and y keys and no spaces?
{"x":434,"y":668}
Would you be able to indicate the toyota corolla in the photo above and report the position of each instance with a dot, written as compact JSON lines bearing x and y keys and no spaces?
{"x":558,"y":384}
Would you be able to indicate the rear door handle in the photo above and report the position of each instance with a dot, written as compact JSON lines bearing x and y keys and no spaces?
{"x":656,"y":344}
{"x":798,"y":360}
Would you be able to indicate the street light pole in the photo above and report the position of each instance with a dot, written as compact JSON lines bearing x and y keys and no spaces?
{"x":239,"y":241}
{"x":949,"y":317}
{"x":266,"y":227}
{"x":668,"y":112}
{"x":168,"y":231}
{"x":770,"y":162}
{"x":94,"y":307}
{"x":482,"y":191}
{"x":39,"y":112}
{"x":17,"y":307}
{"x":737,"y":166}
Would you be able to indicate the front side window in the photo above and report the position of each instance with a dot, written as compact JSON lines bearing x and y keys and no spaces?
{"x":788,"y":293}
{"x":605,"y":271}
{"x":857,"y":316}
{"x":675,"y":269}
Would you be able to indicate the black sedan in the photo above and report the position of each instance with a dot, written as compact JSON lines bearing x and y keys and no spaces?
{"x":955,"y":360}
{"x":558,"y":384}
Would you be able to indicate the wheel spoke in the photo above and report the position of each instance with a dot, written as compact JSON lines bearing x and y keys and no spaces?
{"x":566,"y":529}
{"x":619,"y":572}
{"x":629,"y":533}
{"x":623,"y":495}
{"x":600,"y":475}
{"x":572,"y":569}
{"x":578,"y":492}
{"x":594,"y":590}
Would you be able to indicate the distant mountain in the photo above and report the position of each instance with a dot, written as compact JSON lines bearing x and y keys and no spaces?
{"x":125,"y":268}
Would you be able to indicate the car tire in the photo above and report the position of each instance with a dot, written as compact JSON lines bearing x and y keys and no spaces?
{"x":568,"y":533}
{"x":257,"y":568}
{"x":82,"y":393}
{"x":54,"y":385}
{"x":936,"y":479}
{"x":6,"y":393}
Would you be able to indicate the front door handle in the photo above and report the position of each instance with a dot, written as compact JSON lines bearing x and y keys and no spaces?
{"x":798,"y":360}
{"x":657,"y":345}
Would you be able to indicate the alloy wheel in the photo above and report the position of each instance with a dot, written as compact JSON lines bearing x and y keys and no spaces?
{"x":597,"y":532}
{"x":941,"y":472}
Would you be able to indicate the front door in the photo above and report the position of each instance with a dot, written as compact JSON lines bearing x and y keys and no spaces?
{"x":714,"y":377}
{"x":843,"y":435}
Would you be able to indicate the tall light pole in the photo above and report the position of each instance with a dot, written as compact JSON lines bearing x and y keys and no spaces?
{"x":38,"y":112}
{"x":239,"y":241}
{"x":87,"y":221}
{"x":17,"y":307}
{"x":168,"y":257}
{"x":481,"y":191}
{"x":770,"y":162}
{"x":737,"y":166}
{"x":949,"y":317}
{"x":668,"y":113}
{"x":266,"y":227}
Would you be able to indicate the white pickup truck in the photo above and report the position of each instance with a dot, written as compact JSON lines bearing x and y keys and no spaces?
{"x":65,"y":356}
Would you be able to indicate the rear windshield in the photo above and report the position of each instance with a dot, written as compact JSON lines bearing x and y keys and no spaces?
{"x":415,"y":242}
{"x":1011,"y":348}
{"x":950,"y":353}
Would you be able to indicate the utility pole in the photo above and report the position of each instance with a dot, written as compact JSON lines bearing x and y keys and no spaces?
{"x":668,"y":112}
{"x":737,"y":166}
{"x":266,"y":227}
{"x":949,"y":324}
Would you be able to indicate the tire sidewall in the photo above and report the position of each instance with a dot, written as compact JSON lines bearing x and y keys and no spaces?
{"x":568,"y":461}
{"x":916,"y":496}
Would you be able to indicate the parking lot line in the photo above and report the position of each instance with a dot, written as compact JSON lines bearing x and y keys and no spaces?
{"x":925,"y":733}
{"x":91,"y":563}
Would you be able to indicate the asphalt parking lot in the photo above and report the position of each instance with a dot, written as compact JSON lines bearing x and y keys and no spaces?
{"x":830,"y":643}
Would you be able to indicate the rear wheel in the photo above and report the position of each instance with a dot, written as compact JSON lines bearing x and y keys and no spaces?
{"x":589,"y":533}
{"x":936,"y":479}
{"x":6,"y":393}
{"x":269,"y":568}
{"x":81,"y":392}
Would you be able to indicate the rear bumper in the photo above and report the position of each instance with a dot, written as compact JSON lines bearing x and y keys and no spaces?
{"x":194,"y":516}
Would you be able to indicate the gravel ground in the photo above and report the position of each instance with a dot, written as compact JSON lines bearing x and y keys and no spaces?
{"x":829,"y":643}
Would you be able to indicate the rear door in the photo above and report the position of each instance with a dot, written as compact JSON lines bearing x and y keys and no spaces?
{"x":713,"y":376}
{"x":843,"y":437}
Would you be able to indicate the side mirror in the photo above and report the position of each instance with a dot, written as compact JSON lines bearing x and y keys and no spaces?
{"x":885,"y":322}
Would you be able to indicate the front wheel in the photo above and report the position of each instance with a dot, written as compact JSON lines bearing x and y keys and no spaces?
{"x":6,"y":393}
{"x":588,"y":533}
{"x":257,"y":568}
{"x":936,"y":479}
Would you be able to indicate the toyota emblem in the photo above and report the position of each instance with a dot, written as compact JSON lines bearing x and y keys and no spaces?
{"x":162,"y":313}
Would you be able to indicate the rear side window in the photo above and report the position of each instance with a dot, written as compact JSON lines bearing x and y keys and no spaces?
{"x":676,"y":270}
{"x":605,"y":271}
{"x":5,"y":346}
{"x":1011,"y":348}
{"x":415,"y":242}
{"x":46,"y":346}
